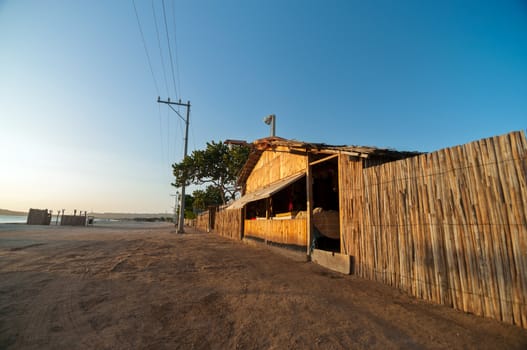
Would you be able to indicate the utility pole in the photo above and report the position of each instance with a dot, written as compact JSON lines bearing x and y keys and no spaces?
{"x":181,"y":222}
{"x":176,"y":198}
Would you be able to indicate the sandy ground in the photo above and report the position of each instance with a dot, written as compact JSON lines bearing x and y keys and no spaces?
{"x":141,"y":286}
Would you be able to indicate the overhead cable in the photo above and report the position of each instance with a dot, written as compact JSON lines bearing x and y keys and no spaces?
{"x":146,"y":49}
{"x":169,"y":50}
{"x":176,"y":49}
{"x":160,"y":50}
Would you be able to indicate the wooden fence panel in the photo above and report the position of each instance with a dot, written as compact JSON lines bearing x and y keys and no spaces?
{"x":351,"y":202}
{"x":202,"y":221}
{"x":449,"y":226}
{"x":228,"y":223}
{"x":293,"y":232}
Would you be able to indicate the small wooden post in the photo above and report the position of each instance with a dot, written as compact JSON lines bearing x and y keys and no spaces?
{"x":241,"y":216}
{"x":309,"y":205}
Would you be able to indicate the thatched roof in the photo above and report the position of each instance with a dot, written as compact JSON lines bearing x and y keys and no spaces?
{"x":301,"y":147}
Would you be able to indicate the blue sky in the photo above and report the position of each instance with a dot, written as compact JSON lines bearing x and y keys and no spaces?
{"x":80,"y":127}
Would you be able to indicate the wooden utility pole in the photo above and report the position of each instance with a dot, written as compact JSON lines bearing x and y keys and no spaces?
{"x":181,"y":222}
{"x":176,"y":198}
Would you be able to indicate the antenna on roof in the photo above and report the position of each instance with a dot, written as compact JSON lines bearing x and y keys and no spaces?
{"x":271,"y":119}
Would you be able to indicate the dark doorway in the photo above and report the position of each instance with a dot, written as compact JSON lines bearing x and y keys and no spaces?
{"x":326,"y":221}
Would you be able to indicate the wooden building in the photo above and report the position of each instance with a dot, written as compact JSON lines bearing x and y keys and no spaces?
{"x":39,"y":217}
{"x":448,"y":226}
{"x":291,"y":191}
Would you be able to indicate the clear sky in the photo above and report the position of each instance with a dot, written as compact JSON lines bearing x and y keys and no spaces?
{"x":80,"y":127}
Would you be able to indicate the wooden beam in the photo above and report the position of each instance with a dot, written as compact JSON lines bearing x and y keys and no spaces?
{"x":309,"y":192}
{"x":338,"y":151}
{"x":355,"y":154}
{"x":242,"y":216}
{"x":323,"y":159}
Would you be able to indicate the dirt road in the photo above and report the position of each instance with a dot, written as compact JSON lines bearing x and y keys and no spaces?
{"x":141,"y":286}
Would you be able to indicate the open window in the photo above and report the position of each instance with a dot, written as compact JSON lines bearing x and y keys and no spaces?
{"x":277,"y":213}
{"x":287,"y":203}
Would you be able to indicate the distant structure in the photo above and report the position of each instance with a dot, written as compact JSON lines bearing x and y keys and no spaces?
{"x":39,"y":217}
{"x":74,"y":220}
{"x":43,"y":217}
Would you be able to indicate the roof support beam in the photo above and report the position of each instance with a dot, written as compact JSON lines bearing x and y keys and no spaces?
{"x":323,"y":159}
{"x":348,"y":153}
{"x":309,"y":206}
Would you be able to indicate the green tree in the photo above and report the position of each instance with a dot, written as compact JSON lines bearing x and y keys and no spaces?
{"x":216,"y":166}
{"x":189,"y":204}
{"x":205,"y":198}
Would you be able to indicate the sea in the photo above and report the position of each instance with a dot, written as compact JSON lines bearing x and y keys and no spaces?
{"x":13,"y":219}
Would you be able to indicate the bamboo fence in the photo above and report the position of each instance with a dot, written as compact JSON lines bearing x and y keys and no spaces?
{"x":228,"y":223}
{"x":202,"y":221}
{"x":290,"y":232}
{"x":448,"y":226}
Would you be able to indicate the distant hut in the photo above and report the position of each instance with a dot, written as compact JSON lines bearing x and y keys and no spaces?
{"x":38,"y":217}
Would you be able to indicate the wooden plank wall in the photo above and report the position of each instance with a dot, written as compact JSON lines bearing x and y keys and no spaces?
{"x":73,"y":220}
{"x":274,"y":165}
{"x":292,"y":231}
{"x":202,"y":221}
{"x":228,"y":223}
{"x":449,"y":226}
{"x":38,"y":217}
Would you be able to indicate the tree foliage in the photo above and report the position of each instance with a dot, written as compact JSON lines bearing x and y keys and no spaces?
{"x":216,"y":166}
{"x":205,"y":198}
{"x":189,"y":205}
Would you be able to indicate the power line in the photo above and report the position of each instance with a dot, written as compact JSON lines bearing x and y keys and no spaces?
{"x":169,"y":50}
{"x":160,"y":50}
{"x":193,"y":136}
{"x":176,"y":48}
{"x":168,"y":136}
{"x":161,"y":135}
{"x":145,"y":47}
